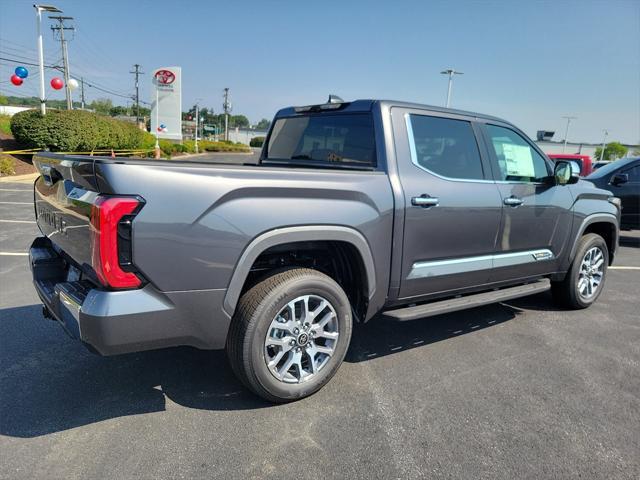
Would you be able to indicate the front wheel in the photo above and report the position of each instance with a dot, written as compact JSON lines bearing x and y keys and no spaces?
{"x":584,"y":281}
{"x":290,"y":334}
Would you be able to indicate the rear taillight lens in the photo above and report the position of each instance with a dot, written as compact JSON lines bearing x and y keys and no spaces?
{"x":111,"y":240}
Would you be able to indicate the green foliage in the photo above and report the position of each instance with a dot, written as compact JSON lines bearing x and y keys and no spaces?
{"x":102,"y":105}
{"x":4,"y":100}
{"x":74,"y":130}
{"x":263,"y":124}
{"x":612,"y":151}
{"x":225,"y":147}
{"x":256,"y":142}
{"x":5,"y":124}
{"x":6,"y":165}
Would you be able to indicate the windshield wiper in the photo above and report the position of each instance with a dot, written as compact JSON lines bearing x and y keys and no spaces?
{"x":302,"y":156}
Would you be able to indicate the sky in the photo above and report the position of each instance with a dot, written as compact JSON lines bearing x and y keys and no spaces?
{"x":530,"y":62}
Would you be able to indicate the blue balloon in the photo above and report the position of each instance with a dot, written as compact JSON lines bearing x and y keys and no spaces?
{"x":22,"y":72}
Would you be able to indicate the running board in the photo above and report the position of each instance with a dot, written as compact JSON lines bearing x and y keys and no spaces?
{"x":468,"y":301}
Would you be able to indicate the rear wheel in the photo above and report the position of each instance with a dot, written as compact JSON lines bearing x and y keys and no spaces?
{"x":585,"y":279}
{"x":290,"y":334}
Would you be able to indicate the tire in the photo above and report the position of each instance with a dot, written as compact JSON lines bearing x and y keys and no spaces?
{"x":570,"y":292}
{"x":275,"y":307}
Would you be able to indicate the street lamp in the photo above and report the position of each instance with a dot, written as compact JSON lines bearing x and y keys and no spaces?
{"x":39,"y":10}
{"x":566,"y":131}
{"x":604,"y":142}
{"x":451,"y":72}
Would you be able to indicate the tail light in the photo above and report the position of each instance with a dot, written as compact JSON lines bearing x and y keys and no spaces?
{"x":111,"y":254}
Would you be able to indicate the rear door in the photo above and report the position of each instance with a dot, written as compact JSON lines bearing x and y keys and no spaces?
{"x":452,"y":206}
{"x":536,"y":213}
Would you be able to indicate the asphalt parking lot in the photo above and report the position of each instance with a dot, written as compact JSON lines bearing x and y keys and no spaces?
{"x":517,"y":390}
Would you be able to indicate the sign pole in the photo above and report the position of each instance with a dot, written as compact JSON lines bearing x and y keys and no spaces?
{"x":157,"y":147}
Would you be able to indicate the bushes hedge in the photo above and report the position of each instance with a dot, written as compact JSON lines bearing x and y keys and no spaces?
{"x":256,"y":142}
{"x":74,"y":130}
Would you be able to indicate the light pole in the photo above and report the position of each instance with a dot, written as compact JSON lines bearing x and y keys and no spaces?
{"x":157,"y":147}
{"x":604,"y":142}
{"x":566,"y":131}
{"x":450,"y":72}
{"x":39,"y":10}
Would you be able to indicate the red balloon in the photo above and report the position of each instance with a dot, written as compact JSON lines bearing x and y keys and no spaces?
{"x":57,"y":83}
{"x":16,"y":80}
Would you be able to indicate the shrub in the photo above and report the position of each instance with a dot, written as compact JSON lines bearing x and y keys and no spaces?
{"x":6,"y":165}
{"x":256,"y":142}
{"x":74,"y":130}
{"x":5,"y":124}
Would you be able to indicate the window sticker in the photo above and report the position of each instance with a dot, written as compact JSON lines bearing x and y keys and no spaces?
{"x":518,"y":160}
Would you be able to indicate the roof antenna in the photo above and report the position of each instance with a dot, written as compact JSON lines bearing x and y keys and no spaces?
{"x":334,"y":99}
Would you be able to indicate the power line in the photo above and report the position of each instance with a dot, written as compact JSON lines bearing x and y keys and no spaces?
{"x":137,"y":72}
{"x":65,"y":56}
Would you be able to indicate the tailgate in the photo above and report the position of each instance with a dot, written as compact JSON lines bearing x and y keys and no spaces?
{"x":64,"y":194}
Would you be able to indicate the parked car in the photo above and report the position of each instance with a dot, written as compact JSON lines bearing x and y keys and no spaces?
{"x":622,"y":178}
{"x":355,"y":209}
{"x":599,"y":164}
{"x":583,"y":161}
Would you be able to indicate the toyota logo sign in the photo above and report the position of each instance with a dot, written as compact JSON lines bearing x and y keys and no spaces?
{"x":165,"y":77}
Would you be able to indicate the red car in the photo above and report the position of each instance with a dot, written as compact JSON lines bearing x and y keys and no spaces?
{"x":586,"y":166}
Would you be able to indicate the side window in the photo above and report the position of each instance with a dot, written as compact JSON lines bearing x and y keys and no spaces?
{"x":517,"y":160}
{"x":634,"y":174}
{"x":445,"y":147}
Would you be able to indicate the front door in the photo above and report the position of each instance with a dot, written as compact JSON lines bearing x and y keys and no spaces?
{"x":536,"y":213}
{"x":452,"y":206}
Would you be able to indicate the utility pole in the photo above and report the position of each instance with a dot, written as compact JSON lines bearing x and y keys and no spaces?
{"x":604,"y":143}
{"x":451,"y":72}
{"x":566,"y":131}
{"x":197,"y":122}
{"x":65,"y":56}
{"x":137,"y":73}
{"x":226,"y":105}
{"x":82,"y":93}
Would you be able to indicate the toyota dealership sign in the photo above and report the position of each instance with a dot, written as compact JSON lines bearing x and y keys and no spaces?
{"x":166,"y":109}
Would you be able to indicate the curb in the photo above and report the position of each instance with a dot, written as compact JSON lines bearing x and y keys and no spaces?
{"x":28,"y":178}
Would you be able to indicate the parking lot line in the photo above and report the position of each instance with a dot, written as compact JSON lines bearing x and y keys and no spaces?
{"x":17,"y":221}
{"x":15,"y":190}
{"x":17,"y":203}
{"x":14,"y":254}
{"x":623,"y":268}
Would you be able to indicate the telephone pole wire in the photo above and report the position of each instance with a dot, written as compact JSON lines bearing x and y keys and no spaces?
{"x":137,"y":72}
{"x":65,"y":55}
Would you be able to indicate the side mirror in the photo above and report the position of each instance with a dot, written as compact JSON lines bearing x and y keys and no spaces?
{"x":619,"y":179}
{"x":566,"y":173}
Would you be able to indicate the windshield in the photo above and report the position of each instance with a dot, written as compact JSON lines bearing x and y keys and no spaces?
{"x":329,"y":139}
{"x":610,"y":167}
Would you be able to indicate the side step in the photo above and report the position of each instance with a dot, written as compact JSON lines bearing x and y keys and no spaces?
{"x":468,"y":301}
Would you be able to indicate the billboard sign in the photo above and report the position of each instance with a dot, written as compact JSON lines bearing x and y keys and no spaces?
{"x":166,"y":109}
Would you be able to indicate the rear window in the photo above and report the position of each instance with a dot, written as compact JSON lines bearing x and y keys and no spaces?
{"x":324,"y":139}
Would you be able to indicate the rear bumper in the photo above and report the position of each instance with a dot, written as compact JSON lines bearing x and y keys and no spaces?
{"x":114,"y":322}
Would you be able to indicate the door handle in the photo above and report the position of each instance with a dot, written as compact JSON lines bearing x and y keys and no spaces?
{"x":424,"y":201}
{"x":513,"y":201}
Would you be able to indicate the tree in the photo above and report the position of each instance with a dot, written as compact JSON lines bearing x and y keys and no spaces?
{"x":4,"y":100}
{"x":101,"y":105}
{"x":612,"y":151}
{"x":238,"y":121}
{"x":263,"y":124}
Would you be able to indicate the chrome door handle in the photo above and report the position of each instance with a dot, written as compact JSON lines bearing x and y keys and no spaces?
{"x":513,"y":201}
{"x":424,"y":201}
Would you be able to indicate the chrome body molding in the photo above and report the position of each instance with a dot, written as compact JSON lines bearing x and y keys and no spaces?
{"x":472,"y":264}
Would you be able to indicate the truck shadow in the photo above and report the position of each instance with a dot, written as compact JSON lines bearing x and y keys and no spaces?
{"x":50,"y":383}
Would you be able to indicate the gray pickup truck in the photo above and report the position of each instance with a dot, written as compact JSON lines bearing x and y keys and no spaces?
{"x":355,"y":209}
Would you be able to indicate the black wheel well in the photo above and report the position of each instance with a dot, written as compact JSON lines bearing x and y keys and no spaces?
{"x":339,"y":260}
{"x":607,"y":231}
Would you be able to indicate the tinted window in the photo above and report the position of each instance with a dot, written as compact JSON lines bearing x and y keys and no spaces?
{"x":346,"y":139}
{"x":445,"y":147}
{"x":634,"y":173}
{"x":518,"y":161}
